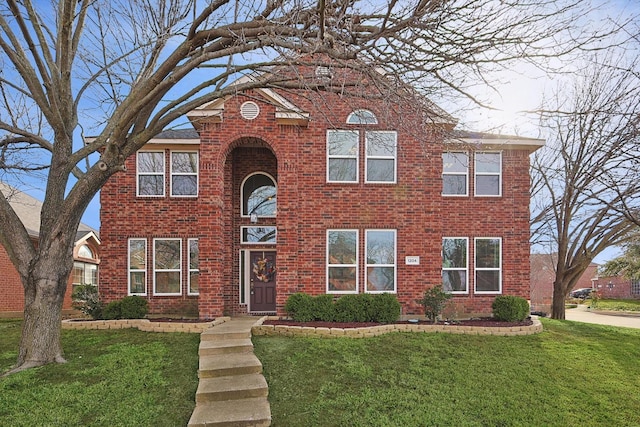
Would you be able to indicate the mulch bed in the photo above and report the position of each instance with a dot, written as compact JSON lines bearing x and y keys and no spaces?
{"x":482,"y":322}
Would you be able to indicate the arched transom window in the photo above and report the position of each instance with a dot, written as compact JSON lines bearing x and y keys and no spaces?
{"x":362,"y":117}
{"x":258,"y":195}
{"x":85,"y":251}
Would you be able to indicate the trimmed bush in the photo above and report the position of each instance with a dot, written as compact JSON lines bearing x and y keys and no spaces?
{"x":353,"y":308}
{"x":323,"y":308}
{"x":85,"y":298}
{"x":112,"y":311}
{"x":133,"y":307}
{"x":509,"y":308}
{"x":299,"y":307}
{"x":385,"y":308}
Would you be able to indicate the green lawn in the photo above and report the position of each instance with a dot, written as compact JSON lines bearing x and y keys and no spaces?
{"x":572,"y":374}
{"x":616,"y":304}
{"x":113,"y":378}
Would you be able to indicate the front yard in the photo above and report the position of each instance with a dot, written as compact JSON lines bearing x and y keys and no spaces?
{"x":572,"y":374}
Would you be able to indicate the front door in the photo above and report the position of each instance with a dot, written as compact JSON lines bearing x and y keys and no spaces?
{"x":262,"y":281}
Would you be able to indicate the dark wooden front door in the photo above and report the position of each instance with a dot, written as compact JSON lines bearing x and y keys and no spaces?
{"x":262,"y":281}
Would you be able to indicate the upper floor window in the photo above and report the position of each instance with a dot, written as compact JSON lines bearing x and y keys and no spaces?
{"x":259,"y":195}
{"x":342,"y":155}
{"x":362,"y":117}
{"x":381,"y":156}
{"x":184,"y":173}
{"x":488,"y":171}
{"x":150,"y":169}
{"x":455,"y":172}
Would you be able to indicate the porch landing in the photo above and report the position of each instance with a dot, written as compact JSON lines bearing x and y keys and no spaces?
{"x":232,"y":390}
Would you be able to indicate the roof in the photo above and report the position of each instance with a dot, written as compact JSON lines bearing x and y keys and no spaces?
{"x":494,"y":141}
{"x":28,"y":210}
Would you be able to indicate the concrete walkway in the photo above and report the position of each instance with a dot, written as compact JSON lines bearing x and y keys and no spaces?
{"x":582,"y":314}
{"x":232,"y":390}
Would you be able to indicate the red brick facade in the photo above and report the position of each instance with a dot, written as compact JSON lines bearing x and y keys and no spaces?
{"x":294,"y":153}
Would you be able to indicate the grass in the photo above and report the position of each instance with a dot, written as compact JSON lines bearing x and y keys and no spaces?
{"x":572,"y":374}
{"x":617,"y":304}
{"x":113,"y":378}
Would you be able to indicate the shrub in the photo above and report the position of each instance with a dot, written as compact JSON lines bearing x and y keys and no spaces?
{"x":323,"y":308}
{"x":112,"y":311}
{"x":510,"y":308}
{"x":85,"y":298}
{"x":385,"y":308}
{"x":299,"y":307}
{"x":353,"y":308}
{"x":133,"y":307}
{"x":434,"y":302}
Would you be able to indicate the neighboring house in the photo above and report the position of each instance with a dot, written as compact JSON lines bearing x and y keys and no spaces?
{"x":85,"y":254}
{"x":617,"y":287}
{"x":543,"y":274}
{"x":279,"y":192}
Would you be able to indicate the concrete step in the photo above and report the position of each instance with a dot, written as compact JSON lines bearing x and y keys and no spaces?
{"x":219,"y":333}
{"x":232,"y":413}
{"x":234,"y":387}
{"x":229,"y":364}
{"x":209,"y":348}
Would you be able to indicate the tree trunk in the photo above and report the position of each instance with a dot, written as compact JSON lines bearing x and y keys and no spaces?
{"x":557,"y":305}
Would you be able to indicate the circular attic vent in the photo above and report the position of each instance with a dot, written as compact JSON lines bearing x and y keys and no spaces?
{"x":249,"y":110}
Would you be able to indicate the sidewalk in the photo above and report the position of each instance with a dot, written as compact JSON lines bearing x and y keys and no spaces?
{"x":582,"y":314}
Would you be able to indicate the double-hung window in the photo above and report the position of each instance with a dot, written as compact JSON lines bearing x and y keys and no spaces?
{"x":150,"y":169}
{"x":381,"y":156}
{"x":488,"y":265}
{"x":137,"y":266}
{"x":194,"y":268}
{"x":342,"y":261}
{"x":167,"y":263}
{"x":454,"y":264}
{"x":184,"y":173}
{"x":380,"y":264}
{"x":488,"y":168}
{"x":455,"y":174}
{"x":342,"y":155}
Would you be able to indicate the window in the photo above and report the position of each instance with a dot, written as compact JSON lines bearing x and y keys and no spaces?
{"x":381,"y":156}
{"x":84,"y":274}
{"x":342,"y":261}
{"x":380,"y":264}
{"x":258,"y":235}
{"x":362,"y":117}
{"x":455,"y":171}
{"x":488,"y":174}
{"x":167,"y":259}
{"x":194,"y":271}
{"x":85,"y":251}
{"x":150,"y":170}
{"x":342,"y":155}
{"x":635,"y":287}
{"x":184,"y":173}
{"x":488,"y":265}
{"x":137,"y":267}
{"x":454,"y":264}
{"x":259,"y":195}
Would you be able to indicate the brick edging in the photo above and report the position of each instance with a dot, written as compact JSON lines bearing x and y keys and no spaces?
{"x":145,"y":325}
{"x":372,"y":331}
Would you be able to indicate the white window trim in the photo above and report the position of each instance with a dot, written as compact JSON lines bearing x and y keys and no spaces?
{"x":130,"y":270}
{"x":275,"y":184}
{"x":476,"y":174}
{"x":355,"y":117}
{"x":165,"y":271}
{"x":192,"y":270}
{"x":466,"y":267}
{"x":344,"y":156}
{"x":476,"y":269}
{"x":357,"y":290}
{"x":372,"y":157}
{"x":244,"y":227}
{"x":466,"y":176}
{"x":139,"y":174}
{"x":394,"y":265}
{"x":196,"y":173}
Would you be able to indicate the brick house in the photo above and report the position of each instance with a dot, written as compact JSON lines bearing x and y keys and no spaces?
{"x":617,"y":287}
{"x":275,"y":192}
{"x":85,"y":254}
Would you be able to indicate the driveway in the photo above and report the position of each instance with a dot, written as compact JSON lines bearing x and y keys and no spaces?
{"x":581,"y":314}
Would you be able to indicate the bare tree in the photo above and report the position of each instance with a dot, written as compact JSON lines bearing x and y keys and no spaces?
{"x":136,"y":67}
{"x":586,"y":181}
